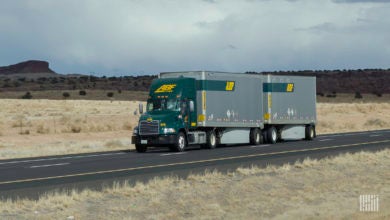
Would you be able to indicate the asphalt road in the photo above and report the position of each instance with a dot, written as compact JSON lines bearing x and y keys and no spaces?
{"x":30,"y":177}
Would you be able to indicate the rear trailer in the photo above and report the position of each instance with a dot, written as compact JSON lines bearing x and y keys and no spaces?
{"x":213,"y":108}
{"x":289,"y":107}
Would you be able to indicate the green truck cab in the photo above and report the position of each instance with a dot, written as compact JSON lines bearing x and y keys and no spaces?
{"x":170,"y":115}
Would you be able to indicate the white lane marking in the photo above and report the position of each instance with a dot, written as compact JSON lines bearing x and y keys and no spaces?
{"x":325,"y":136}
{"x":59,"y":158}
{"x":260,"y":146}
{"x":375,"y":135}
{"x":359,"y":133}
{"x":50,"y":165}
{"x":353,"y":134}
{"x":326,"y":139}
{"x":169,"y":154}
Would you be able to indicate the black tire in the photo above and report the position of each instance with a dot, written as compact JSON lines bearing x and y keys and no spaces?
{"x":172,"y":147}
{"x":181,"y":142}
{"x":255,"y":136}
{"x":310,"y":132}
{"x":272,"y":135}
{"x":264,"y":134}
{"x":141,"y":148}
{"x":211,"y":140}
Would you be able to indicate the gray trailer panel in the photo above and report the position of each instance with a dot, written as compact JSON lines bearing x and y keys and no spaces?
{"x":238,"y":106}
{"x":289,"y":99}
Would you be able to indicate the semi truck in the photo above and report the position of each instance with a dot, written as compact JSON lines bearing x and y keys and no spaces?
{"x":209,"y":109}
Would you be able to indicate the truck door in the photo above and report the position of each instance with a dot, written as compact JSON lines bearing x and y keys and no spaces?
{"x":184,"y":113}
{"x":188,"y":113}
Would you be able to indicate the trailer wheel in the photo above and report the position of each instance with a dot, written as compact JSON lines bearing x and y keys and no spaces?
{"x":272,"y":135}
{"x":309,"y":132}
{"x":211,"y":140}
{"x":141,"y":148}
{"x":181,"y":142}
{"x":255,"y":136}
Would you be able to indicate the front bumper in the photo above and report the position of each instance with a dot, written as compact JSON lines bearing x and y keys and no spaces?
{"x":154,"y":140}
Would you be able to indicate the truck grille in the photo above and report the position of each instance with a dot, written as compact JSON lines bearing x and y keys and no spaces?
{"x":148,"y":128}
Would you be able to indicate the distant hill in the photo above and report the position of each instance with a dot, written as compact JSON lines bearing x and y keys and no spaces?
{"x":31,"y":66}
{"x":37,"y":76}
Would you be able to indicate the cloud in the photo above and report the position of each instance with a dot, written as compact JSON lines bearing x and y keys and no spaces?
{"x":130,"y":37}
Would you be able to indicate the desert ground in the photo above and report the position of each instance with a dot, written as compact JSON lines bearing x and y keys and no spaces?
{"x":30,"y":128}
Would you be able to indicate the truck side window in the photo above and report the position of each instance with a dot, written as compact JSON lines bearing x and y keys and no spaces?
{"x":183,"y":106}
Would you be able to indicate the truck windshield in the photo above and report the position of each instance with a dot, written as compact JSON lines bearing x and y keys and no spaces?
{"x":163,"y":104}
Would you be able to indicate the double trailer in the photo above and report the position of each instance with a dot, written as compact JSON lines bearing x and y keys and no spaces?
{"x":211,"y":108}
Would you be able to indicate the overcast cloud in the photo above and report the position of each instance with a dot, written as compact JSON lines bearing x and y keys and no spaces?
{"x":147,"y":37}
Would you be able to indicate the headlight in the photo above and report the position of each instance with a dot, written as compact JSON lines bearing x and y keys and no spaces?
{"x":169,"y":130}
{"x":135,"y":131}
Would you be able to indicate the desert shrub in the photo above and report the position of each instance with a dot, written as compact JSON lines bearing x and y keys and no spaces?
{"x":110,"y":94}
{"x":358,"y":95}
{"x":75,"y":128}
{"x":16,"y":84}
{"x":331,"y":95}
{"x":66,"y":94}
{"x":320,"y":94}
{"x":27,"y":95}
{"x":119,"y":91}
{"x":376,"y":122}
{"x":41,"y":129}
{"x":82,"y":92}
{"x":127,"y":126}
{"x":24,"y":132}
{"x":114,"y":143}
{"x":6,"y":85}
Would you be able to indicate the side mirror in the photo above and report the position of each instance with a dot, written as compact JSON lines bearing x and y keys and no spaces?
{"x":192,"y":106}
{"x":141,"y":108}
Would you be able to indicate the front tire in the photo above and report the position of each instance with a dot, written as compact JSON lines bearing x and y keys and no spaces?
{"x":181,"y":142}
{"x":141,"y":148}
{"x":272,"y":135}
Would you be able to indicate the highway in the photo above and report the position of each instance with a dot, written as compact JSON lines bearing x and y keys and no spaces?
{"x":31,"y":177}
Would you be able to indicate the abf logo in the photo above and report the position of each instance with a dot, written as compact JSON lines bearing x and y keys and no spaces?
{"x":165,"y":88}
{"x":229,"y":86}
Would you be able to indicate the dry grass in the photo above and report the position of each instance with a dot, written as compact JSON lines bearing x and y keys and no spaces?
{"x":312,"y":189}
{"x":46,"y":127}
{"x":49,"y":127}
{"x":346,"y":117}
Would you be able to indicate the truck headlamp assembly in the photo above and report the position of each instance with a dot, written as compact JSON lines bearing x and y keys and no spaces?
{"x":135,"y":131}
{"x":169,"y":130}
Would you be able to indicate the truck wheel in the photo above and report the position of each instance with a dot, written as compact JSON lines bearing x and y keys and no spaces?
{"x":141,"y":148}
{"x":211,"y":140}
{"x":272,"y":135}
{"x":255,"y":136}
{"x":181,"y":142}
{"x":309,"y":132}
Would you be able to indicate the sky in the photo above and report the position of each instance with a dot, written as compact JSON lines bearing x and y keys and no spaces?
{"x":138,"y":37}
